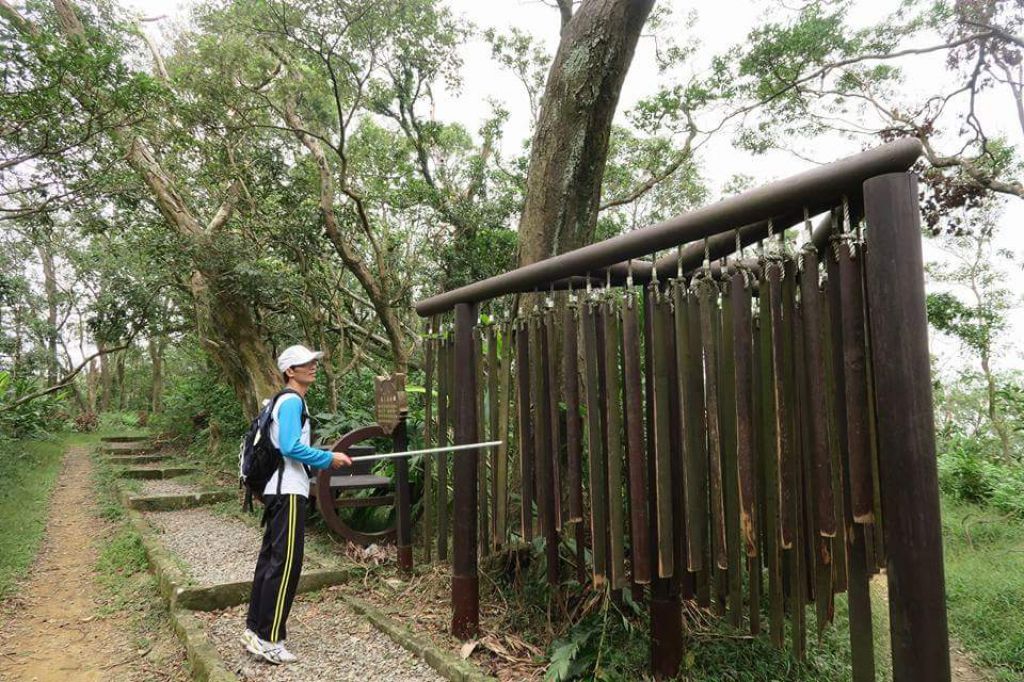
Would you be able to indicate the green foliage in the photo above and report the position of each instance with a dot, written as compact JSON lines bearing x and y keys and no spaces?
{"x":608,"y":644}
{"x":195,"y":398}
{"x":974,"y":325}
{"x":984,"y":556}
{"x":32,"y":419}
{"x":969,"y":472}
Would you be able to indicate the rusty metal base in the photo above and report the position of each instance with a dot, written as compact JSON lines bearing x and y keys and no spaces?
{"x":666,"y":638}
{"x":465,"y":606}
{"x":405,"y":558}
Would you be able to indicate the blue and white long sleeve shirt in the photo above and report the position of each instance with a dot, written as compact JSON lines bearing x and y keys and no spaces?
{"x":289,"y":435}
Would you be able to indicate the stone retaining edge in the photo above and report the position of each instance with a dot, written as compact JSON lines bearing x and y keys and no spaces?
{"x":224,"y":595}
{"x":443,"y":662}
{"x":206,"y":663}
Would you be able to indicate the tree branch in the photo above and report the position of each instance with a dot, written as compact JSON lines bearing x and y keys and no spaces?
{"x":66,"y":380}
{"x":227,"y":208}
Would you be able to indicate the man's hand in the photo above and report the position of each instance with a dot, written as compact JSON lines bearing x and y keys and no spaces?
{"x":340,"y":459}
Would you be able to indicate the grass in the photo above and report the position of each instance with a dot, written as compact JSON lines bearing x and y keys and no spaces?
{"x":985,"y":586}
{"x":28,"y":470}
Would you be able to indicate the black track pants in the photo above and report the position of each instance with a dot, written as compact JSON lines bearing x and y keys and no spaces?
{"x":278,"y":566}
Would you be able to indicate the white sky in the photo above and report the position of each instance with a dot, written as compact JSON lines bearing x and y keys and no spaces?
{"x":720,"y":24}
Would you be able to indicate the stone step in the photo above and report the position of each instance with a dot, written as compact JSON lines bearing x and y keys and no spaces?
{"x":127,"y":448}
{"x":128,"y":460}
{"x":131,"y":438}
{"x":174,"y":501}
{"x":156,"y":472}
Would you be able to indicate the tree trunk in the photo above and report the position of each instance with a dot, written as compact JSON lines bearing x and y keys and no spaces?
{"x":570,"y":144}
{"x":228,"y":333}
{"x":50,"y":289}
{"x":994,"y":417}
{"x":156,"y":350}
{"x":121,"y":389}
{"x":91,"y":380}
{"x":105,"y":380}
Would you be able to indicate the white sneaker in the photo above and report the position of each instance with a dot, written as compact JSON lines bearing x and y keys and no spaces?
{"x":268,"y":651}
{"x":285,"y":655}
{"x":247,"y":638}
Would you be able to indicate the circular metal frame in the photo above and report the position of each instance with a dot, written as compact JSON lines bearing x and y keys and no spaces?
{"x":325,"y":498}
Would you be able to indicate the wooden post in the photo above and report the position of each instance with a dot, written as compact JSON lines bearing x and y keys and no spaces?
{"x":906,"y":430}
{"x":400,"y":439}
{"x":465,"y":582}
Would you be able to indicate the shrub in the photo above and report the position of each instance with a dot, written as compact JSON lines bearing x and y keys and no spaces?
{"x":86,"y":422}
{"x":32,"y":419}
{"x":964,"y":470}
{"x":193,"y":401}
{"x":969,"y":472}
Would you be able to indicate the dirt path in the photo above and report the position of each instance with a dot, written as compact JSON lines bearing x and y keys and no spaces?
{"x":55,"y":632}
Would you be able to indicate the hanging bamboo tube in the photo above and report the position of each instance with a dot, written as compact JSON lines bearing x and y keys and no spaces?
{"x":818,"y":505}
{"x":695,"y":472}
{"x":796,"y":399}
{"x":573,"y":422}
{"x":858,"y":595}
{"x":482,"y":369}
{"x":742,"y":339}
{"x":708,"y":296}
{"x":429,"y":351}
{"x":879,"y":537}
{"x":810,"y":297}
{"x":633,"y":399}
{"x":541,"y":425}
{"x":546,"y":452}
{"x":832,"y":408}
{"x":613,"y":393}
{"x":504,"y":396}
{"x":662,"y":438}
{"x":525,"y":411}
{"x":730,"y":465}
{"x":597,"y":464}
{"x":851,"y":297}
{"x":743,"y":359}
{"x":573,"y":430}
{"x":758,"y":563}
{"x":493,"y":370}
{"x":682,"y":584}
{"x":783,"y":424}
{"x":769,"y":287}
{"x":554,"y":383}
{"x":443,"y":404}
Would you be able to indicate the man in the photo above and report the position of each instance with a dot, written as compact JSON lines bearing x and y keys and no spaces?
{"x":285,"y":495}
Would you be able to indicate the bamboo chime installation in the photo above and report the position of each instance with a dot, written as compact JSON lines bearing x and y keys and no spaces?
{"x":713,"y":433}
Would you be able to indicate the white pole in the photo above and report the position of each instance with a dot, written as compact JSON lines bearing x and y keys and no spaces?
{"x":430,"y":451}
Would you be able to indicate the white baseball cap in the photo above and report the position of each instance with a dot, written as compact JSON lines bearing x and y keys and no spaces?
{"x":296,"y":355}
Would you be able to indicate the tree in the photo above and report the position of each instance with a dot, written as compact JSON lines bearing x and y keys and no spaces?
{"x":979,"y":323}
{"x":809,"y":71}
{"x":570,"y":143}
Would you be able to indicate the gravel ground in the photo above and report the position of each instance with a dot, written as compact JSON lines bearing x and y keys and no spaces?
{"x":161,"y":486}
{"x":216,"y":549}
{"x":331,"y":642}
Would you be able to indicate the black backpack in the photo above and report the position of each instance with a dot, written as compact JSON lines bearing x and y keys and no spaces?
{"x":258,"y":459}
